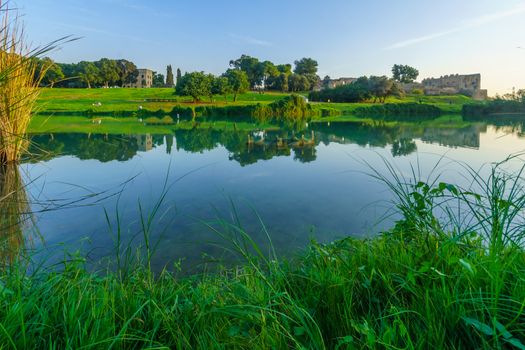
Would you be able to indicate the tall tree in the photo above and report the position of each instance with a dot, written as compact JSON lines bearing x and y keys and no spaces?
{"x":179,"y":74}
{"x":127,"y":71}
{"x":169,"y":76}
{"x":238,"y":81}
{"x":404,"y":73}
{"x":306,"y":66}
{"x":252,"y":67}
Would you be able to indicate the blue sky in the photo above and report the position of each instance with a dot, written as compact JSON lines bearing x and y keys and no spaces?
{"x":347,"y":37}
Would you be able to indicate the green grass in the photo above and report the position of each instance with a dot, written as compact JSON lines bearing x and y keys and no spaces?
{"x":447,"y":104}
{"x":445,"y":281}
{"x":123,"y":99}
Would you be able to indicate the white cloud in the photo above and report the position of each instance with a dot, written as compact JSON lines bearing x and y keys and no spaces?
{"x":467,"y":24}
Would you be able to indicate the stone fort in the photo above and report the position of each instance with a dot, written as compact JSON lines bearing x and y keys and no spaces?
{"x":455,"y":84}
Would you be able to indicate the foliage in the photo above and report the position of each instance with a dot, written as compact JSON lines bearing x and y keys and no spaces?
{"x":419,"y":110}
{"x":364,"y":88}
{"x":19,"y":86}
{"x":404,"y":73}
{"x":515,"y":103}
{"x":158,"y":80}
{"x":238,"y":82}
{"x":450,"y":278}
{"x":195,"y":84}
{"x":169,"y":76}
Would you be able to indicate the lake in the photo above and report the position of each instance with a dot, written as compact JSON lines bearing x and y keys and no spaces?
{"x":197,"y":185}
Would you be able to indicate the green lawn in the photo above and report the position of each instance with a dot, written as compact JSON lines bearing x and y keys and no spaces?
{"x":111,"y":100}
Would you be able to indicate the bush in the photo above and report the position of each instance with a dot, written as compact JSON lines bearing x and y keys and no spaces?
{"x":419,"y":110}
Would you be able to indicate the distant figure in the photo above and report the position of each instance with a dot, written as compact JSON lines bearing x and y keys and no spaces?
{"x":140,"y":107}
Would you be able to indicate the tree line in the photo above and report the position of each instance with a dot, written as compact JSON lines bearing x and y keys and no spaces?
{"x":249,"y":73}
{"x":87,"y":74}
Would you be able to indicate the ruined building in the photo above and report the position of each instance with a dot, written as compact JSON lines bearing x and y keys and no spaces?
{"x":144,"y":79}
{"x":469,"y":85}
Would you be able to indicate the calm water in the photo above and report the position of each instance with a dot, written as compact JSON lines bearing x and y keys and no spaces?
{"x":320,"y":192}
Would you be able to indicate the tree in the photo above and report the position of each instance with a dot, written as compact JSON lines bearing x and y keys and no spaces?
{"x":179,"y":74}
{"x":404,"y":73}
{"x":298,"y":82}
{"x":326,"y":82}
{"x":88,"y":73}
{"x":252,"y":67}
{"x":195,"y":84}
{"x":306,"y":66}
{"x":52,"y":72}
{"x":270,"y":73}
{"x":108,"y":70}
{"x":238,"y":81}
{"x":127,"y":72}
{"x":221,"y":86}
{"x":380,"y":87}
{"x":158,"y":80}
{"x":169,"y":76}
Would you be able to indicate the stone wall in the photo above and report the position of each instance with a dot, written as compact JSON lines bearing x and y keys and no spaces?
{"x":455,"y":84}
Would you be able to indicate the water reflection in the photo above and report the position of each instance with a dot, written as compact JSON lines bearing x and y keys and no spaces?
{"x":249,"y":147}
{"x":14,"y":213}
{"x":300,"y":181}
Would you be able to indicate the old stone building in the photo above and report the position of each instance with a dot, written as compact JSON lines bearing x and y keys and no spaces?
{"x":333,"y":83}
{"x":455,"y":84}
{"x":144,"y":79}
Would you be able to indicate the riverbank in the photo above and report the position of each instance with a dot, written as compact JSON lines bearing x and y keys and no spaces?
{"x":416,"y":285}
{"x":128,"y":101}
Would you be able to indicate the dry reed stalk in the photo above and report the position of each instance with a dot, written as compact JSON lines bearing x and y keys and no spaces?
{"x":19,"y":86}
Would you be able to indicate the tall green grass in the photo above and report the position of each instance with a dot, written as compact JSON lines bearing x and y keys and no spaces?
{"x":450,"y":274}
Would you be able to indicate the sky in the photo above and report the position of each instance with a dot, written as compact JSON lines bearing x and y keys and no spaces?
{"x":348,"y":38}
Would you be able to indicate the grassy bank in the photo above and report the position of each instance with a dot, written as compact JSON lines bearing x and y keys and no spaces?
{"x":430,"y":282}
{"x":76,"y":101}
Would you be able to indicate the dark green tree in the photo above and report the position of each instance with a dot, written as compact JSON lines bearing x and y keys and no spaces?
{"x":306,"y":66}
{"x":169,"y":76}
{"x":404,"y":73}
{"x":158,"y":80}
{"x":127,"y":72}
{"x":179,"y":74}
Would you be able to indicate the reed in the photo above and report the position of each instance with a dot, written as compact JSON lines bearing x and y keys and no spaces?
{"x":19,"y":85}
{"x":14,"y":213}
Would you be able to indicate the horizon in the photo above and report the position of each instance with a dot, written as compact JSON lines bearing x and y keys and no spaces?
{"x":438,"y":39}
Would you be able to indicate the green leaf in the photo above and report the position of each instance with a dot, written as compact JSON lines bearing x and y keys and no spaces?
{"x":501,"y":328}
{"x":467,"y":265}
{"x":516,"y":343}
{"x":298,"y":331}
{"x":480,"y":326}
